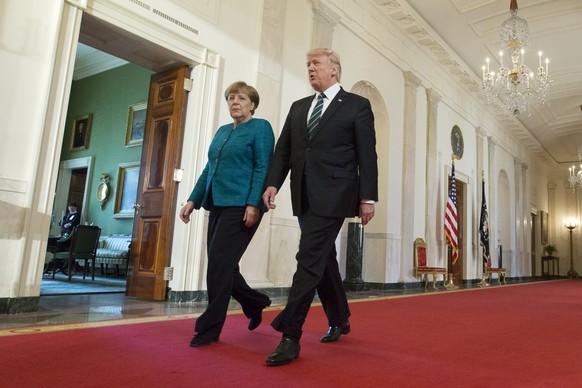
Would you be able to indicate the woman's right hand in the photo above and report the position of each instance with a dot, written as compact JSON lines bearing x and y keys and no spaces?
{"x":186,"y":211}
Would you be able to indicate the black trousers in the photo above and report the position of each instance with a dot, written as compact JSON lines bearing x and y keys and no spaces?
{"x":227,"y":240}
{"x":317,"y":270}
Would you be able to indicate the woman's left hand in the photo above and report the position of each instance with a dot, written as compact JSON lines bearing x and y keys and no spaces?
{"x":252,"y":214}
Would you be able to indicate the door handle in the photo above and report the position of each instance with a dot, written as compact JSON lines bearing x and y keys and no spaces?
{"x":138,"y":206}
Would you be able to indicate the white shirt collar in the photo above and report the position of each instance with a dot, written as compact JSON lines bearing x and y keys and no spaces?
{"x":331,"y":92}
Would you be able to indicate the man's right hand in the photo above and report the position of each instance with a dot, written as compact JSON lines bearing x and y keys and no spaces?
{"x":269,"y":197}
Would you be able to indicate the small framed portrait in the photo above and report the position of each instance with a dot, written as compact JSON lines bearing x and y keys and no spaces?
{"x":136,"y":118}
{"x":80,"y":132}
{"x":127,"y":184}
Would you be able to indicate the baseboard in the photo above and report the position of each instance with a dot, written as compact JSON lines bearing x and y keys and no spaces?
{"x":27,"y":304}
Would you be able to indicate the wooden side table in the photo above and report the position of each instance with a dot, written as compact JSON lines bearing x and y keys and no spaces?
{"x":550,"y":262}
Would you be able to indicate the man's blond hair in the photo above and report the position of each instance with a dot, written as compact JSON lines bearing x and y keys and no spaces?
{"x":333,"y":58}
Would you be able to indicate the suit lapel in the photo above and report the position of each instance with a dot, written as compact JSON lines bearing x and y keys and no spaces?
{"x":335,"y":104}
{"x":303,"y":112}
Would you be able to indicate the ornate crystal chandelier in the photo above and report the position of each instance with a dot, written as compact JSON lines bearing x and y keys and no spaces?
{"x":575,"y":178}
{"x":516,"y":86}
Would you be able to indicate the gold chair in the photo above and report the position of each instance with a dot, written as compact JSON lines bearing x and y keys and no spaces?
{"x":83,"y":246}
{"x":420,"y":265}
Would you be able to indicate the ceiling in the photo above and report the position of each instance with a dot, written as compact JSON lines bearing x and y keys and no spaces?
{"x":103,"y":46}
{"x":460,"y":33}
{"x":471,"y":29}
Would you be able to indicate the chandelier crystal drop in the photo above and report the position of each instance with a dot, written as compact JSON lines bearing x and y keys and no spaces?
{"x":515,"y":86}
{"x":575,"y":178}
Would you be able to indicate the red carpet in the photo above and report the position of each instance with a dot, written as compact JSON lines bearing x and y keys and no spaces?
{"x":516,"y":336}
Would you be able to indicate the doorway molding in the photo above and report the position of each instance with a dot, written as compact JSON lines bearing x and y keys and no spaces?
{"x":63,"y":185}
{"x":126,"y":21}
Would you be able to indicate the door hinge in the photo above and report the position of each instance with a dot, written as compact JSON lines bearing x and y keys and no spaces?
{"x":178,"y":174}
{"x":168,"y":273}
{"x":188,"y":84}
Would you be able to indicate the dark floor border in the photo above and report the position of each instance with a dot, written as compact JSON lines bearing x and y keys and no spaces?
{"x":354,"y":290}
{"x":27,"y":304}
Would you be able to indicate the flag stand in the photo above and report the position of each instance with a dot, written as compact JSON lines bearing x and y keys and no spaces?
{"x":449,"y":285}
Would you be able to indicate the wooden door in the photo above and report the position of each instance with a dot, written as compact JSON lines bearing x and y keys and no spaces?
{"x":457,"y":269}
{"x":77,"y":188}
{"x":533,"y":245}
{"x":155,"y":206}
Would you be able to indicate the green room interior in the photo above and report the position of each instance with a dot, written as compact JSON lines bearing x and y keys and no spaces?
{"x":108,"y":98}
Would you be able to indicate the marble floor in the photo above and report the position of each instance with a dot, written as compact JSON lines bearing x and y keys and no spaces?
{"x":91,"y":308}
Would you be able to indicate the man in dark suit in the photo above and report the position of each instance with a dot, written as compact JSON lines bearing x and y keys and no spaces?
{"x":328,"y":143}
{"x":71,"y":219}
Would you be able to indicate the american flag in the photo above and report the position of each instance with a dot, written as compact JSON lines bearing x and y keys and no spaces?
{"x":484,"y":230}
{"x":451,"y":217}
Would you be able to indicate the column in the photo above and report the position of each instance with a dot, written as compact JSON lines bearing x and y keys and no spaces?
{"x":525,"y":221}
{"x":411,"y":83}
{"x":494,"y":235}
{"x":482,"y":170}
{"x":433,"y":221}
{"x":517,"y":259}
{"x":269,"y":86}
{"x":324,"y":22}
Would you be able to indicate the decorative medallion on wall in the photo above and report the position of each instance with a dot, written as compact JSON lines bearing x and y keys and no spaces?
{"x":457,"y":142}
{"x":103,"y":189}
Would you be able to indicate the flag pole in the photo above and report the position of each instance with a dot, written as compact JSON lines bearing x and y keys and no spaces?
{"x":450,"y":285}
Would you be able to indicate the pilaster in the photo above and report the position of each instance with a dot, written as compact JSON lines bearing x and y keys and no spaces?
{"x":411,"y":83}
{"x":432,"y":181}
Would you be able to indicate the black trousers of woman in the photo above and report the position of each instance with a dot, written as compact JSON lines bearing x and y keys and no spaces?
{"x":227,"y":240}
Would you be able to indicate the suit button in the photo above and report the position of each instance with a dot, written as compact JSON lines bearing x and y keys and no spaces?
{"x":308,"y":149}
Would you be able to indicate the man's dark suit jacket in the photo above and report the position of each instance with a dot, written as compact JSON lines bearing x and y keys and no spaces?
{"x":339,"y":163}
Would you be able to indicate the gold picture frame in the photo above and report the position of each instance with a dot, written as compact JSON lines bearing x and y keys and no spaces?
{"x":80,"y":132}
{"x":136,"y":117}
{"x":126,"y":191}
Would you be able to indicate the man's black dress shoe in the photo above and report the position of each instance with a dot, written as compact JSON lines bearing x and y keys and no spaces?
{"x":198,"y":341}
{"x":335,"y":332}
{"x":256,"y":319}
{"x":287,"y":351}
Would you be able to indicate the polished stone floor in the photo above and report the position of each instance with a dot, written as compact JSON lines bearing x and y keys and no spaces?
{"x":84,"y":308}
{"x":61,"y":286}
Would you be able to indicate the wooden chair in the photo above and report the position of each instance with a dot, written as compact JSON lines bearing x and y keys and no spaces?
{"x":84,"y":243}
{"x":54,"y":245}
{"x":420,"y":265}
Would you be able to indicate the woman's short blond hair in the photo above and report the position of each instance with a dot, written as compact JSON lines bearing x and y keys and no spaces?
{"x":241,"y":87}
{"x":333,"y":58}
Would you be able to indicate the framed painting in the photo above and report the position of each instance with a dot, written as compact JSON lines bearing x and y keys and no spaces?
{"x":136,"y":118}
{"x":80,"y":132}
{"x":544,"y":227}
{"x":126,"y":192}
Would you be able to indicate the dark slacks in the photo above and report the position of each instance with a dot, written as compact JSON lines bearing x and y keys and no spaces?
{"x":317,"y":270}
{"x":227,"y":240}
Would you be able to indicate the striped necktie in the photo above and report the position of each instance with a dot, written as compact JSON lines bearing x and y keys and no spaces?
{"x":315,"y":115}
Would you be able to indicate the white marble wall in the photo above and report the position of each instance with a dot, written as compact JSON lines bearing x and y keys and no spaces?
{"x":378,"y":45}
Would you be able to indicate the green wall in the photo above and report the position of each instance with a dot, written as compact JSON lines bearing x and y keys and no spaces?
{"x":107,"y":96}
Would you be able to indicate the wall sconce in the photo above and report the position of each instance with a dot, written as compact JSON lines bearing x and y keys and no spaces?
{"x":103,"y":189}
{"x":571,"y":224}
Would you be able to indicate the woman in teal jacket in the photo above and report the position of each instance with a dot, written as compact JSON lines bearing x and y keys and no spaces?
{"x":230,"y":187}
